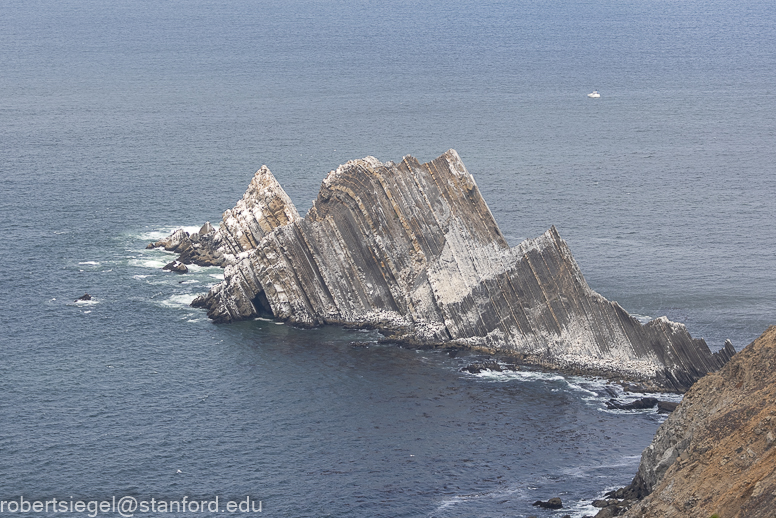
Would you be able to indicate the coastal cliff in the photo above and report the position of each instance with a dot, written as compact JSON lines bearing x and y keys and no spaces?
{"x":715,"y":453}
{"x":413,"y":250}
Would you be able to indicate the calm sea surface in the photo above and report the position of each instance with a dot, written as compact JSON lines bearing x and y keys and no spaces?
{"x":121,"y":121}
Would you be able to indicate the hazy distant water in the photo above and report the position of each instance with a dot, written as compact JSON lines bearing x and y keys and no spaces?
{"x":119,"y":122}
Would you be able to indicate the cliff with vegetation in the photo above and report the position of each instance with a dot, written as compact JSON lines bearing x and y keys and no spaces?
{"x":413,"y":250}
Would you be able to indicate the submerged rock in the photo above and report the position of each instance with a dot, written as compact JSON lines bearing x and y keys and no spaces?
{"x":176,"y":266}
{"x":639,"y":404}
{"x":666,"y":407}
{"x":552,"y":503}
{"x":476,"y":368}
{"x":413,"y":250}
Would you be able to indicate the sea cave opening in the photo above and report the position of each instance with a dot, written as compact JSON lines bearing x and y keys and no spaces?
{"x":260,"y":302}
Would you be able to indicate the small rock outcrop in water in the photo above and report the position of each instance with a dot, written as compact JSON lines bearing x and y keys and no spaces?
{"x":666,"y":407}
{"x":476,"y":368}
{"x":715,"y":453}
{"x":413,"y":250}
{"x":176,"y":266}
{"x":639,"y":404}
{"x":552,"y":503}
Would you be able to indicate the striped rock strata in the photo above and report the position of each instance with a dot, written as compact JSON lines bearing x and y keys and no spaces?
{"x":413,"y":250}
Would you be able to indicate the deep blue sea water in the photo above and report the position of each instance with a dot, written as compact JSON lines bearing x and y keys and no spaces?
{"x":120,"y":122}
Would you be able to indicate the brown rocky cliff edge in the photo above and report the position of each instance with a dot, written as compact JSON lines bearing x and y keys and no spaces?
{"x":715,"y":454}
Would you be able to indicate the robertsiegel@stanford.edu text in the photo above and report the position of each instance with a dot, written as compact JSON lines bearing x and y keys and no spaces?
{"x":128,"y":506}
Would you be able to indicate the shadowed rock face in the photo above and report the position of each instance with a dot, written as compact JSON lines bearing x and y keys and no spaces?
{"x":413,"y":250}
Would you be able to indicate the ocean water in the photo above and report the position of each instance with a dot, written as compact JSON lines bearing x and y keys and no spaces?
{"x":120,"y":122}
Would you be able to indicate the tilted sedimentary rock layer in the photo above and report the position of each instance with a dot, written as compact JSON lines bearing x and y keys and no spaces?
{"x":413,"y":250}
{"x":715,"y":454}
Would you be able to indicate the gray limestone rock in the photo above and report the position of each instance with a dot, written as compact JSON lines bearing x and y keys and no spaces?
{"x":207,"y":228}
{"x":413,"y":250}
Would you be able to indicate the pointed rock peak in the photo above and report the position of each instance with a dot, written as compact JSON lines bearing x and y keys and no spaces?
{"x":675,"y":327}
{"x":264,"y":172}
{"x":368,"y":162}
{"x":207,"y":228}
{"x":265,"y":191}
{"x":455,"y":162}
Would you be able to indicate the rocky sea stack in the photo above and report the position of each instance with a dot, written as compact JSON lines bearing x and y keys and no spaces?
{"x":413,"y":250}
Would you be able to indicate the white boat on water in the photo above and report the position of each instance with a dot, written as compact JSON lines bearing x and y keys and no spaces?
{"x":594,"y":94}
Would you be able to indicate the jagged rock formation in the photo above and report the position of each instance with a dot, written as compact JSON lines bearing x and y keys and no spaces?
{"x":413,"y":250}
{"x":715,"y":453}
